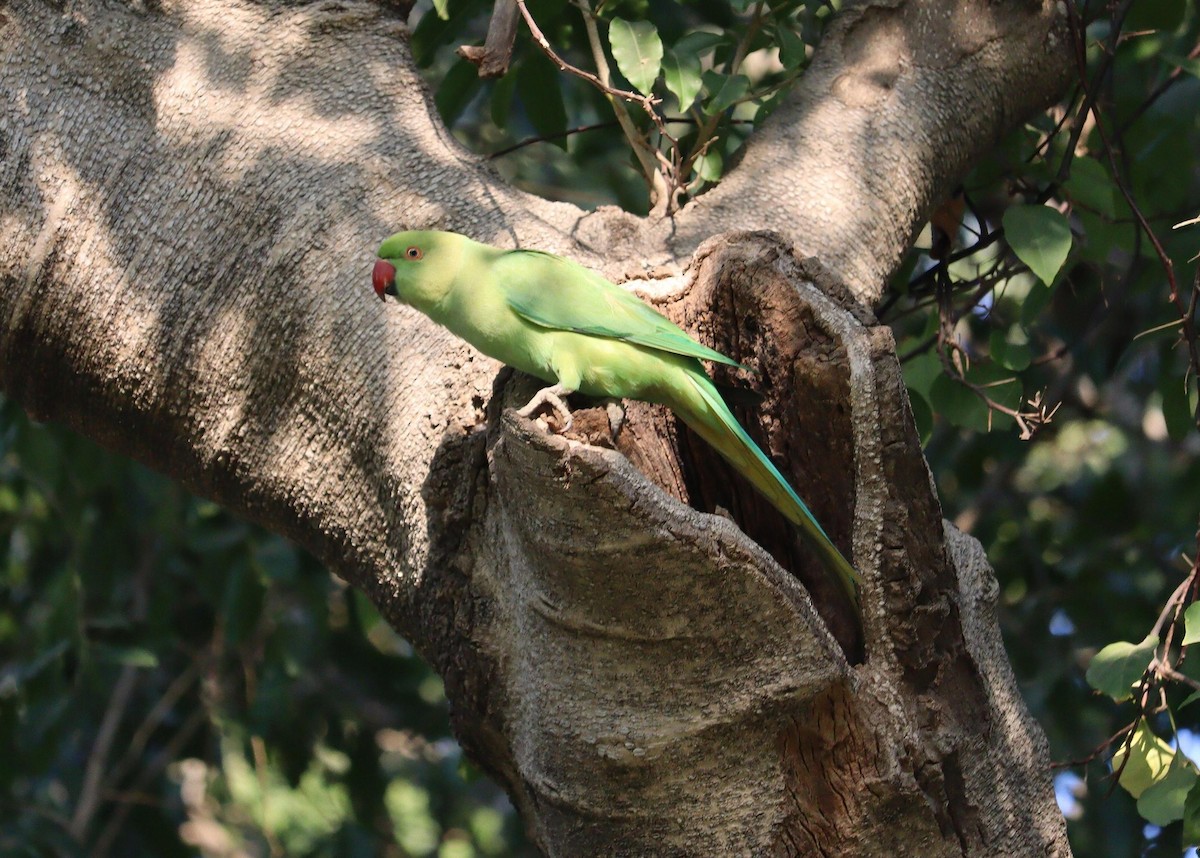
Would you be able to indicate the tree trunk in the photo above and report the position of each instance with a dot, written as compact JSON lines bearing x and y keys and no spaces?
{"x":192,"y":197}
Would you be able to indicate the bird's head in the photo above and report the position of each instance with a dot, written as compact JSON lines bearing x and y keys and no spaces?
{"x":417,"y":267}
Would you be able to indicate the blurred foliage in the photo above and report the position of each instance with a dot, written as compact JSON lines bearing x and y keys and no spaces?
{"x":174,"y":681}
{"x":1054,"y":380}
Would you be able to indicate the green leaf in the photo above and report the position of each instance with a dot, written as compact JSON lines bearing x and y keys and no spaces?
{"x":48,"y":656}
{"x":1035,"y":301}
{"x":1191,"y":624}
{"x":1191,"y":817}
{"x":1163,"y":802}
{"x":922,"y":371}
{"x":1119,"y":665}
{"x":963,"y":407}
{"x":1089,"y":186}
{"x":1177,"y":410}
{"x":1011,"y":349}
{"x":502,"y":98}
{"x":1102,"y":237}
{"x":277,"y":559}
{"x":638,"y":52}
{"x":1040,"y":237}
{"x":956,"y":402}
{"x":242,"y":603}
{"x":711,"y":165}
{"x":698,"y":43}
{"x":1189,"y":700}
{"x":436,"y":31}
{"x":442,"y":7}
{"x":766,"y":108}
{"x":129,"y":656}
{"x":1156,"y":15}
{"x":681,"y":74}
{"x":998,"y":382}
{"x":791,"y":48}
{"x":1149,"y":759}
{"x":456,"y":90}
{"x":724,"y":90}
{"x":538,"y":88}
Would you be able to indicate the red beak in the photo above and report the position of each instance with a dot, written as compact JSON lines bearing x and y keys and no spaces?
{"x":383,"y":277}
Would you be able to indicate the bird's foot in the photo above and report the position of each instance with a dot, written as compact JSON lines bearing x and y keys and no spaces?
{"x":616,"y":416}
{"x":551,"y":396}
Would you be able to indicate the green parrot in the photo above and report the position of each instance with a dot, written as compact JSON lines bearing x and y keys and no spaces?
{"x":568,"y":326}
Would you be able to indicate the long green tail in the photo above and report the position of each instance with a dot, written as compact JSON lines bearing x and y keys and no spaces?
{"x":732,"y":442}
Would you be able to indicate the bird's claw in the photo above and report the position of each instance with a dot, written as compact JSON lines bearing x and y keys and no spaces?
{"x":551,"y":396}
{"x":616,"y":416}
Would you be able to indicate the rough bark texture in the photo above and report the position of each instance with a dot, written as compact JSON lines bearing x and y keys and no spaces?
{"x":191,"y":197}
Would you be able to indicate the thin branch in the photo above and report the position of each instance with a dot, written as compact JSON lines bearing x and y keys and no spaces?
{"x":1168,"y":672}
{"x":158,"y":713}
{"x":1159,"y":91}
{"x":546,"y":138}
{"x":1186,"y":314}
{"x":646,"y":101}
{"x":197,"y":719}
{"x":595,"y":126}
{"x":89,"y":795}
{"x":1079,"y":44}
{"x":648,"y":156}
{"x":1097,"y":751}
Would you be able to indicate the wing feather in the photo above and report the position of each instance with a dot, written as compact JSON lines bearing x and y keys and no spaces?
{"x":555,"y":293}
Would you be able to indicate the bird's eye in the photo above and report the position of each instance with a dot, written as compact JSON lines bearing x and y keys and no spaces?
{"x":414,"y":253}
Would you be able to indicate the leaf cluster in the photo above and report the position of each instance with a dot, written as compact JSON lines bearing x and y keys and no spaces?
{"x":695,"y":79}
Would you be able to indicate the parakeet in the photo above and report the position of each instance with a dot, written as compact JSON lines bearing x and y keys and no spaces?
{"x":572,"y":328}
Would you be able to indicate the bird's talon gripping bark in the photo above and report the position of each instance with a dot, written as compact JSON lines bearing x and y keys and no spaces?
{"x":551,"y":396}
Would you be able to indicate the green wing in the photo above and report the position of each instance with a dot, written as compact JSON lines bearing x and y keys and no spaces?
{"x":553,"y":292}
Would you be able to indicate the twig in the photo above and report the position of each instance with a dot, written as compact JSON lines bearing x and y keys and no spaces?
{"x":1187,"y":314}
{"x":596,"y":126}
{"x":165,"y":757}
{"x":546,"y":138}
{"x":646,"y":101}
{"x":1173,"y":78}
{"x":1079,"y":44}
{"x":158,"y":713}
{"x":89,"y":795}
{"x":647,"y":156}
{"x":1099,"y":749}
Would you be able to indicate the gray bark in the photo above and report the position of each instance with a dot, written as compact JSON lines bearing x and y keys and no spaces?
{"x":192,"y":195}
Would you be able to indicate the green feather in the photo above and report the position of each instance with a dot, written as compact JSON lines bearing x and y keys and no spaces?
{"x":555,"y":293}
